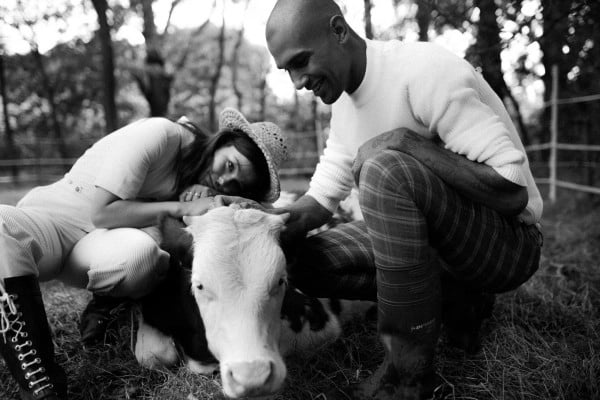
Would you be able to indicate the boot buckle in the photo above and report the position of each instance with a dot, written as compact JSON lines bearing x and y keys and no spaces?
{"x":18,"y":347}
{"x":46,"y":386}
{"x":33,"y":383}
{"x":31,"y":352}
{"x":32,"y":373}
{"x":37,"y":360}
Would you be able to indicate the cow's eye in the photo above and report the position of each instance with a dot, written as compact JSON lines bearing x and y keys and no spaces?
{"x":281,"y":282}
{"x":200,"y":287}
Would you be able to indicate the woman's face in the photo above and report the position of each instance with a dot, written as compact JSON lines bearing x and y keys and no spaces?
{"x":231,"y":173}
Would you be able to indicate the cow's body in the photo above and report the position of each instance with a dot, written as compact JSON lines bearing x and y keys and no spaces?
{"x":226,"y":298}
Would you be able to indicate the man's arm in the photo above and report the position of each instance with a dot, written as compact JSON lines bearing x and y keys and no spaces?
{"x":476,"y":181}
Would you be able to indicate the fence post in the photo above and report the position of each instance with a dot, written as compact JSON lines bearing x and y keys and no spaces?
{"x":317,"y":127}
{"x":553,"y":134}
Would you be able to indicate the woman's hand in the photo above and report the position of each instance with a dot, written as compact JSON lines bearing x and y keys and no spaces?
{"x":195,"y":192}
{"x":196,"y":207}
{"x":242,"y":202}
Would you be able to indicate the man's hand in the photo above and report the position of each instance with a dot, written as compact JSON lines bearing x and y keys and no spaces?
{"x":196,"y":192}
{"x":305,"y":214}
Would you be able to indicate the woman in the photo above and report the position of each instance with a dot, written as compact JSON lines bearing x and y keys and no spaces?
{"x":93,"y":228}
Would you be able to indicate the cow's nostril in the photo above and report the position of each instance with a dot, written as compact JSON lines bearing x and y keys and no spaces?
{"x":253,"y":375}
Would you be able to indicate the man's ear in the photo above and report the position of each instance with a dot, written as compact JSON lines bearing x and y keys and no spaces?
{"x":338,"y":26}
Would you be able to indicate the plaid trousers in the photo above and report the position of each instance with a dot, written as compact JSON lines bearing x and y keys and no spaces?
{"x":416,"y":228}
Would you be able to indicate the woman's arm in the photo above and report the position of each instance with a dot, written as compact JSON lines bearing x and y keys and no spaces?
{"x":110,"y":211}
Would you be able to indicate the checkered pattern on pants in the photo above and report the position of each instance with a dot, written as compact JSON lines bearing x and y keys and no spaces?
{"x":416,"y":225}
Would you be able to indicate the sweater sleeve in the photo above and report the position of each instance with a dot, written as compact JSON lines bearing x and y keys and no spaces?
{"x":332,"y":180}
{"x":450,"y":103}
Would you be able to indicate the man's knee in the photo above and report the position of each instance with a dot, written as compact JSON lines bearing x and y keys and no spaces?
{"x":391,"y":166}
{"x":392,"y":174}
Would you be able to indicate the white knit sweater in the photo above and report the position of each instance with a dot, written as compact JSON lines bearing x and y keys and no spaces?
{"x":425,"y":88}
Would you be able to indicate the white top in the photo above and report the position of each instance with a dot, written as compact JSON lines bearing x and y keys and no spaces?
{"x":136,"y":161}
{"x":425,"y":88}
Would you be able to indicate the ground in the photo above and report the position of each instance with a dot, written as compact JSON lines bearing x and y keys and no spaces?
{"x":542,"y":342}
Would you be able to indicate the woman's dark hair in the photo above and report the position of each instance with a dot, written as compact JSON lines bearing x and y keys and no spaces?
{"x":195,"y":159}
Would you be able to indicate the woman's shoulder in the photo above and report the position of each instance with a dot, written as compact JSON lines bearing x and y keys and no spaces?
{"x":160,"y":123}
{"x":153,"y":127}
{"x":150,"y":133}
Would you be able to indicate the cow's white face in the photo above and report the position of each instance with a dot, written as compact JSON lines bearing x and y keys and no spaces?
{"x":238,"y":281}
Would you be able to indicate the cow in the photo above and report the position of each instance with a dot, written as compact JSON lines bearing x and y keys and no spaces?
{"x":226,"y":303}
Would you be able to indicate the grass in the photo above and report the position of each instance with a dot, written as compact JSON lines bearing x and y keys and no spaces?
{"x":543,"y":341}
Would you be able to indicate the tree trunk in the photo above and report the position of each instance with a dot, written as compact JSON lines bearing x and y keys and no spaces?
{"x":555,"y":17}
{"x":50,"y":97}
{"x":262,"y":88}
{"x":235,"y":64}
{"x":214,"y":81}
{"x":108,"y":67}
{"x":320,"y":140}
{"x":368,"y":24}
{"x":296,"y":115}
{"x":423,"y":19}
{"x":9,"y":139}
{"x":153,"y":79}
{"x":486,"y":53}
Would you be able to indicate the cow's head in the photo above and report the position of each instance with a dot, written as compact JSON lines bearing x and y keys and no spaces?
{"x":238,"y":281}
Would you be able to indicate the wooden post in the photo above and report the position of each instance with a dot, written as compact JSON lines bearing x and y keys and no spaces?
{"x":553,"y":134}
{"x":317,"y":127}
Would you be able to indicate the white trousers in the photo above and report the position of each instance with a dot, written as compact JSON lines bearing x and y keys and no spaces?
{"x":49,"y":234}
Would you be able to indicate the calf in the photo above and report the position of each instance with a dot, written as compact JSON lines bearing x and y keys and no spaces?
{"x":226,"y":302}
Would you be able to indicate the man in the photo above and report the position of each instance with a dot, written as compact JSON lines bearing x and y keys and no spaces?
{"x":444,"y":186}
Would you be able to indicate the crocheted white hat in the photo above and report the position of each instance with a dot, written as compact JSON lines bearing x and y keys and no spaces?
{"x":269,"y":139}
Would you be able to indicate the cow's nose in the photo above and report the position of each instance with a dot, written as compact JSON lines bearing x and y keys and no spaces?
{"x":252,"y":377}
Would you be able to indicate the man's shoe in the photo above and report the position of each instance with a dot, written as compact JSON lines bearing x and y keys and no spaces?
{"x":463,"y":322}
{"x":385,"y":384}
{"x":100,"y":313}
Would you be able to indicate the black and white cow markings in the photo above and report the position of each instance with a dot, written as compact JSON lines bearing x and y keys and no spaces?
{"x":226,"y":304}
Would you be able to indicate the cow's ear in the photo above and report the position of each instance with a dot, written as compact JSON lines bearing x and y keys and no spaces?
{"x":285,"y":217}
{"x":277,"y":221}
{"x":175,"y":238}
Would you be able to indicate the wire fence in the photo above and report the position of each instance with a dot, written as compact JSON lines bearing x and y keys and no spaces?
{"x":37,"y":169}
{"x":554,"y":145}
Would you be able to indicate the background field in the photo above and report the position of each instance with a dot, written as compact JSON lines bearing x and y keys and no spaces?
{"x":543,"y":341}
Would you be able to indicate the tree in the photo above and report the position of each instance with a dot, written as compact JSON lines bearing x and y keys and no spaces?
{"x":25,"y":23}
{"x":8,"y":132}
{"x":108,"y":66}
{"x":423,"y":17}
{"x":216,"y":75}
{"x":235,"y":62}
{"x":155,"y":77}
{"x":485,"y":53}
{"x":367,"y":19}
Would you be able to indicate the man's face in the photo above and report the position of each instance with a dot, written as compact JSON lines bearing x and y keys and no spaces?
{"x":314,"y":61}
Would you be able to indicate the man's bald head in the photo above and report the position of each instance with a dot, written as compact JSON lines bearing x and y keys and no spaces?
{"x":301,"y":16}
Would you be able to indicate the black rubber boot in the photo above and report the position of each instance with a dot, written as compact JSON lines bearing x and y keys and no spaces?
{"x":97,"y":317}
{"x":406,"y":374}
{"x":26,"y":342}
{"x":464,"y":310}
